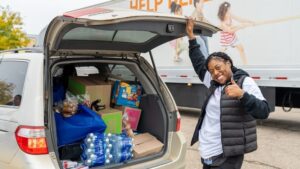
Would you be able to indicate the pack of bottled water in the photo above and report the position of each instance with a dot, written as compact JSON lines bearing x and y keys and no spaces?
{"x":104,"y":149}
{"x":122,"y":147}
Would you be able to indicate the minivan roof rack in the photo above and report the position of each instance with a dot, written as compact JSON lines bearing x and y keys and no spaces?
{"x":24,"y":50}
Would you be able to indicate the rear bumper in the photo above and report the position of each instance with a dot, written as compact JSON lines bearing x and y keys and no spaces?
{"x":177,"y":152}
{"x":174,"y":157}
{"x":27,"y":161}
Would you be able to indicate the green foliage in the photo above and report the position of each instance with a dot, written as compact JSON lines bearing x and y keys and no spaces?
{"x":11,"y":34}
{"x":6,"y":92}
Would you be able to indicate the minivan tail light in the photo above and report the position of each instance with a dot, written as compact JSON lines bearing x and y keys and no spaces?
{"x":178,"y":121}
{"x":32,"y":139}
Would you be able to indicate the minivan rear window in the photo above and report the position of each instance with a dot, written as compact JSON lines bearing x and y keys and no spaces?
{"x":12,"y":77}
{"x":131,"y":36}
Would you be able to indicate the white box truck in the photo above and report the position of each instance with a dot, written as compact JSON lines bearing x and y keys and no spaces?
{"x":270,"y":43}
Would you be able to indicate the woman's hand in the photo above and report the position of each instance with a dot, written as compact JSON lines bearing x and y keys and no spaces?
{"x":189,"y":28}
{"x":233,"y":90}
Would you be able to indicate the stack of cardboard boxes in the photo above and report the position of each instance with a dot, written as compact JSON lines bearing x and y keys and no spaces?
{"x":97,"y":89}
{"x":126,"y":97}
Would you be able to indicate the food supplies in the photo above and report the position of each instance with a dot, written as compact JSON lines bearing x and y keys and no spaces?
{"x":126,"y":94}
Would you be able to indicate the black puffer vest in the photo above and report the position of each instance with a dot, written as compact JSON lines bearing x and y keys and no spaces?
{"x":238,"y":128}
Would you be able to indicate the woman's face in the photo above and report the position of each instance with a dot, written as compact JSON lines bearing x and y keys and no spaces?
{"x":228,"y":13}
{"x":220,"y":70}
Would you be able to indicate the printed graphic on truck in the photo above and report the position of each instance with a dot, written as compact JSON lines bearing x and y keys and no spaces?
{"x":254,"y":32}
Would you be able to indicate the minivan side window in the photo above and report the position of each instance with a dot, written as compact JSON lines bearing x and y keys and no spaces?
{"x":12,"y":77}
{"x":118,"y":71}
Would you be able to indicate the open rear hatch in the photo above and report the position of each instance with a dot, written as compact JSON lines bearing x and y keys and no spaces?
{"x":104,"y":39}
{"x":97,"y":30}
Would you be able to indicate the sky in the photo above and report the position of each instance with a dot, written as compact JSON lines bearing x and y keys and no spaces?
{"x":36,"y":14}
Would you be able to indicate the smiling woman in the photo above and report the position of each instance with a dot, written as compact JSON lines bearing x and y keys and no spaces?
{"x":226,"y":128}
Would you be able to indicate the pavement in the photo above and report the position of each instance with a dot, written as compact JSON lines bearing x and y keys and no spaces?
{"x":278,"y":142}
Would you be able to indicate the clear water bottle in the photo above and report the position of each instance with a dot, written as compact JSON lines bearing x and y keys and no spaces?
{"x":122,"y":156}
{"x":122,"y":148}
{"x":94,"y":140}
{"x":124,"y":143}
{"x":95,"y":160}
{"x":127,"y":144}
{"x":108,"y":158}
{"x":96,"y":150}
{"x":98,"y":159}
{"x":108,"y":155}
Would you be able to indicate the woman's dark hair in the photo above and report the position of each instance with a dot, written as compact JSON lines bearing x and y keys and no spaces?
{"x":175,"y":7}
{"x":195,"y":2}
{"x":219,"y":56}
{"x":223,"y":10}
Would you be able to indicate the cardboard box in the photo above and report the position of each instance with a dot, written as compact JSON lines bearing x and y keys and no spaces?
{"x":150,"y":145}
{"x":113,"y":120}
{"x":141,"y":138}
{"x":94,"y":88}
{"x":133,"y":115}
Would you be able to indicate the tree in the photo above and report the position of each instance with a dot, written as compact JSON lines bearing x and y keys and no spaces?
{"x":11,"y":34}
{"x":6,"y":92}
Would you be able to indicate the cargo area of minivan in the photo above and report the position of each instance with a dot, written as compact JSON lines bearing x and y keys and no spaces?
{"x":106,"y":114}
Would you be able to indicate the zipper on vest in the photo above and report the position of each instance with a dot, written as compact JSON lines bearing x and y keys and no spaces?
{"x":221,"y":124}
{"x":245,"y":143}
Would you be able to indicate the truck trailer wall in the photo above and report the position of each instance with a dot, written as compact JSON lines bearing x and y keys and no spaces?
{"x":270,"y":45}
{"x":272,"y":40}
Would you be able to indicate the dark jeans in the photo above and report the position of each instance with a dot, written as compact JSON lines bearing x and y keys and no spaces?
{"x":234,"y":162}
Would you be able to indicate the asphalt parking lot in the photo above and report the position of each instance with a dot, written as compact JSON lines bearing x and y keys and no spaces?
{"x":278,"y":142}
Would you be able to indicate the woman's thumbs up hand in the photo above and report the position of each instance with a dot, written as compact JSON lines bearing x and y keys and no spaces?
{"x":233,"y":90}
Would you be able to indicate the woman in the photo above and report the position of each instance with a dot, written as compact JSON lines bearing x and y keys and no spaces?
{"x":178,"y":44}
{"x":198,"y":14}
{"x":226,"y":129}
{"x":228,"y":35}
{"x":176,"y":8}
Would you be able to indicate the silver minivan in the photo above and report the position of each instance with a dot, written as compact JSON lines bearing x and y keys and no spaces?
{"x":102,"y":41}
